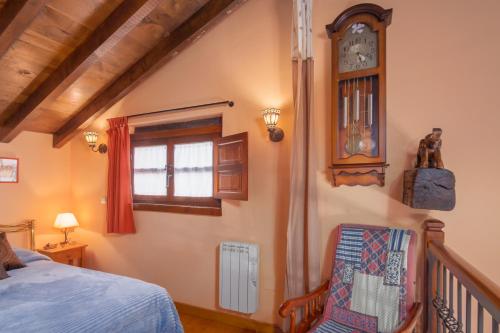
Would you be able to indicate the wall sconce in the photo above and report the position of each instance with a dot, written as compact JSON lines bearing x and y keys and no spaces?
{"x":271,"y":117}
{"x":91,"y":138}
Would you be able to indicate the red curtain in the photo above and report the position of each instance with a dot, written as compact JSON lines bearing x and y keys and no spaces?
{"x":119,"y":216}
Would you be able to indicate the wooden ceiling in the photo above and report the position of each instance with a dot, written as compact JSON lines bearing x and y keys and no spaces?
{"x":64,"y":62}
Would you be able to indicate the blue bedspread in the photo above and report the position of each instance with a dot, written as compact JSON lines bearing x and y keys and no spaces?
{"x":51,"y":297}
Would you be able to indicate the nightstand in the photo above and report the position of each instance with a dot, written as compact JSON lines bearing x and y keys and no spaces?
{"x":69,"y":254}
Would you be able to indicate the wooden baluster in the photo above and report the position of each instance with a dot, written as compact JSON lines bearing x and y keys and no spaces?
{"x":320,"y":305}
{"x":459,"y":302}
{"x":311,"y":312}
{"x":431,"y":263}
{"x":304,"y":323}
{"x":444,"y":295}
{"x":479,"y":318}
{"x":438,"y":288}
{"x":494,"y":325}
{"x":467,"y":312}
{"x":450,"y":295}
{"x":433,"y":233}
{"x":293,"y":317}
{"x":438,"y":294}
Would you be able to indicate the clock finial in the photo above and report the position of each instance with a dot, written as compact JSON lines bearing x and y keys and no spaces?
{"x":383,"y":15}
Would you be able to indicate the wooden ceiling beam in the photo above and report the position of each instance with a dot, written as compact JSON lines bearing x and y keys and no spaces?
{"x":166,"y":48}
{"x":119,"y":23}
{"x":15,"y":17}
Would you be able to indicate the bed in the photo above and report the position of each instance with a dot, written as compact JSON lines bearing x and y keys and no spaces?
{"x":50,"y":297}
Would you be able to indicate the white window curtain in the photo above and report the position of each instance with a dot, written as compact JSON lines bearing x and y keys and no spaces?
{"x":150,"y":173}
{"x":303,"y":238}
{"x":193,"y":168}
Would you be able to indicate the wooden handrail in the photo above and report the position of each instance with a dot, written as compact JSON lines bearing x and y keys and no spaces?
{"x":470,"y":277}
{"x":444,"y":266}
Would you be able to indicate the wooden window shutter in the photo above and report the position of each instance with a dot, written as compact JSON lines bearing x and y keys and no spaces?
{"x":231,"y":167}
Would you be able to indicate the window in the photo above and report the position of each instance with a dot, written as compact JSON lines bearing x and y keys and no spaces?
{"x":193,"y":169}
{"x":150,"y":170}
{"x":187,"y":167}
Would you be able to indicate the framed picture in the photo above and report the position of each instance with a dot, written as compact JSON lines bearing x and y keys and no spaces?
{"x":9,"y":170}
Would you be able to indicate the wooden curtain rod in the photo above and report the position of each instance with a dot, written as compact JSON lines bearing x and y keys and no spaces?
{"x":199,"y":106}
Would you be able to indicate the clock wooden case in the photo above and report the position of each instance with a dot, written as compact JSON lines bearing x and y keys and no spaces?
{"x":358,"y":37}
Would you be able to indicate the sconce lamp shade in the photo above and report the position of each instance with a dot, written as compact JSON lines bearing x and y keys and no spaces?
{"x":271,"y":117}
{"x":65,"y":220}
{"x":91,"y":138}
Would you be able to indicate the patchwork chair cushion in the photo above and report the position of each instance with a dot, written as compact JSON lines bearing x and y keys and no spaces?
{"x":372,"y":283}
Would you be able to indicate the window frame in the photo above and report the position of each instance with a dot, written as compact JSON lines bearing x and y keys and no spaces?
{"x":169,"y":137}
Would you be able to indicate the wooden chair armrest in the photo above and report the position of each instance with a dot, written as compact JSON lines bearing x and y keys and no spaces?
{"x":412,"y":320}
{"x":293,"y":303}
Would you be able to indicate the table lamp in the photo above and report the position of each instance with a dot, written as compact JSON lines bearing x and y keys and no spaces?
{"x":67,"y":223}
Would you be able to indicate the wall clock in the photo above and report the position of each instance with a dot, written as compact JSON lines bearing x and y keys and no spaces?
{"x":358,"y":37}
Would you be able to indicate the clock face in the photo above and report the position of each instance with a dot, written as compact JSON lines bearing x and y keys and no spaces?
{"x":358,"y":48}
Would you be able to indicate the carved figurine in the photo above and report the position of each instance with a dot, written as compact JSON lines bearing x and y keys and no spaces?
{"x":429,"y":151}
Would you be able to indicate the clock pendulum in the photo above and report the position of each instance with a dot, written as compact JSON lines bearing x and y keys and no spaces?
{"x":356,"y":101}
{"x":370,"y":104}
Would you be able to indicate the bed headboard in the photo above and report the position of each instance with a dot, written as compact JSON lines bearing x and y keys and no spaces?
{"x":28,"y":225}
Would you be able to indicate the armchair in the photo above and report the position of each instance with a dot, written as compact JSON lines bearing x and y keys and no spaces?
{"x":371,"y":288}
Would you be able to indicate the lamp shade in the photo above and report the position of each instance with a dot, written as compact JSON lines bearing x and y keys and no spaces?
{"x":91,"y":138}
{"x":65,"y":220}
{"x":271,"y":117}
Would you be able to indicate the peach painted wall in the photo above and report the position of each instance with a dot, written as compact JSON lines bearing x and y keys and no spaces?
{"x":439,"y":74}
{"x":44,"y":187}
{"x":246,"y":58}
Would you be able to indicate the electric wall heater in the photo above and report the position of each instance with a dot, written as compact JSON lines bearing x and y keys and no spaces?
{"x":239,"y":277}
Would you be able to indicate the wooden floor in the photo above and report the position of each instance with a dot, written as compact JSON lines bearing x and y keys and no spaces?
{"x":194,"y":324}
